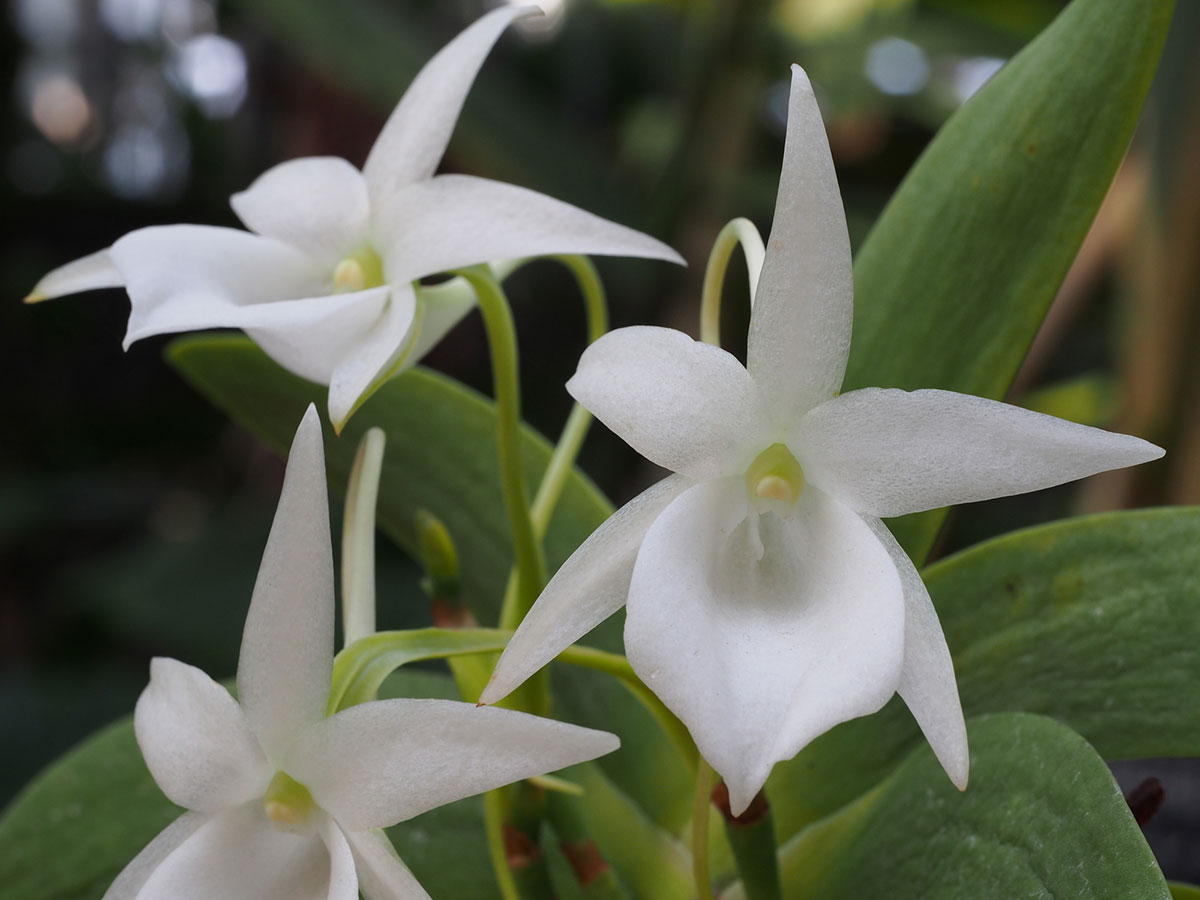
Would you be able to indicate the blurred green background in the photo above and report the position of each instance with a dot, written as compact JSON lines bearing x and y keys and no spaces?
{"x":132,"y":515}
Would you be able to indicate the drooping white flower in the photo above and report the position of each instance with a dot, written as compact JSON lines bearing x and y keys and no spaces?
{"x":323,"y":281}
{"x":284,"y":803}
{"x":766,"y":601}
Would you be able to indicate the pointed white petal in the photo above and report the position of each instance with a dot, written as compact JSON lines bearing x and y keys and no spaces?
{"x":84,"y":274}
{"x":800,"y":327}
{"x":142,"y":866}
{"x":363,"y":364}
{"x":760,"y":632}
{"x":380,"y":763}
{"x":890,"y":452}
{"x":286,"y":659}
{"x":240,"y":854}
{"x":381,"y":874}
{"x":312,"y":336}
{"x":196,"y":740}
{"x":415,"y":136}
{"x":927,"y":681}
{"x":458,"y":220}
{"x":191,"y":276}
{"x":343,"y":879}
{"x":589,"y":587}
{"x":686,"y":405}
{"x":318,"y":204}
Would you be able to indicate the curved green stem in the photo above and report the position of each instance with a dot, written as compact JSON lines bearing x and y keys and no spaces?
{"x":361,"y":668}
{"x":705,"y":779}
{"x":497,"y":320}
{"x":573,"y":433}
{"x":562,"y":462}
{"x":618,"y":666}
{"x":738,"y":231}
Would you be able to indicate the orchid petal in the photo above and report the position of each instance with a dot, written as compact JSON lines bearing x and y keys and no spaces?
{"x":800,"y":329}
{"x":87,"y":273}
{"x":415,"y":136}
{"x":363,"y":364}
{"x":196,"y":740}
{"x":313,"y":336}
{"x":458,"y":220}
{"x":890,"y":452}
{"x":317,"y":204}
{"x":382,"y":762}
{"x":343,"y":878}
{"x":141,"y":867}
{"x":239,"y":853}
{"x":589,"y":587}
{"x":181,"y":277}
{"x":686,"y":405}
{"x":286,"y":660}
{"x":381,"y":874}
{"x":927,"y":683}
{"x":762,"y":632}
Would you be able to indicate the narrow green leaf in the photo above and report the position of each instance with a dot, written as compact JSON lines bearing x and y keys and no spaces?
{"x":441,"y":457}
{"x":1042,"y":818}
{"x":954,"y":280}
{"x":1094,"y":621}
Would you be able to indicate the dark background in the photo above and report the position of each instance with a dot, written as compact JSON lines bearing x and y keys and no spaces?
{"x":132,"y":515}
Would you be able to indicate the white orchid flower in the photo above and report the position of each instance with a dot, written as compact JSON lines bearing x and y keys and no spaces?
{"x":766,"y":600}
{"x":323,"y":281}
{"x":284,"y":803}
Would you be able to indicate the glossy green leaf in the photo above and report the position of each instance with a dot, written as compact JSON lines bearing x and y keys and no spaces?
{"x":956,"y":277}
{"x":1181,"y":891}
{"x":1094,"y":621}
{"x":1042,"y":818}
{"x":441,"y":457}
{"x":73,"y":829}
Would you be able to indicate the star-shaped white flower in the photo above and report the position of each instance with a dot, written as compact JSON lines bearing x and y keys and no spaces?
{"x":767,"y":602}
{"x":284,"y":803}
{"x":323,"y":281}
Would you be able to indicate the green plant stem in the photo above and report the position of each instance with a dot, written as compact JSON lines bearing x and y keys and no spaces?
{"x":618,"y":666}
{"x":751,"y":837}
{"x":493,"y":820}
{"x":738,"y":231}
{"x":497,"y":321}
{"x":360,"y":668}
{"x":705,"y":779}
{"x":563,"y":460}
{"x":573,"y":433}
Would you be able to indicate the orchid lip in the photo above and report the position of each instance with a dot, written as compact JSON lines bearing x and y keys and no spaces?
{"x":775,"y":476}
{"x":359,"y":271}
{"x":287,"y":803}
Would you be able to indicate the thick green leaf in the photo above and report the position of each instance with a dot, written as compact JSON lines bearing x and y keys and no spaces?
{"x":441,"y":457}
{"x":69,"y":833}
{"x":955,"y":278}
{"x":1041,"y":819}
{"x":1094,"y":621}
